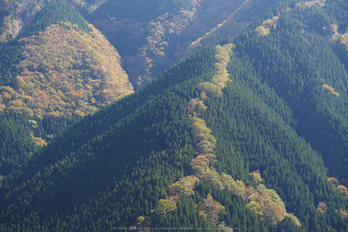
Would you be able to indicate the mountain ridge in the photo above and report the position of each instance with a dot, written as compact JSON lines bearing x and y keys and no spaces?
{"x":278,"y":121}
{"x":55,"y":72}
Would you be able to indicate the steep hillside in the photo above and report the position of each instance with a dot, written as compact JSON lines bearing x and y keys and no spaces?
{"x":15,"y":15}
{"x":149,"y":43}
{"x":290,"y":54}
{"x":215,"y":20}
{"x":66,"y":72}
{"x":14,"y":127}
{"x":249,"y":134}
{"x":55,"y":71}
{"x":339,"y":42}
{"x":139,"y":168}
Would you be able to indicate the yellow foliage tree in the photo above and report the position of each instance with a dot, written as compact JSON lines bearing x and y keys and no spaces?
{"x":262,"y":31}
{"x":164,"y":207}
{"x":343,"y":190}
{"x":183,"y":186}
{"x":211,"y":209}
{"x":210,"y":89}
{"x":65,"y":65}
{"x":322,"y":207}
{"x":294,"y":219}
{"x":255,"y":207}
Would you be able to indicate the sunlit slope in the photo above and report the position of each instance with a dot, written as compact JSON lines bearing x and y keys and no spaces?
{"x":112,"y":179}
{"x":241,"y":135}
{"x":151,"y":36}
{"x":66,"y":72}
{"x":55,"y":71}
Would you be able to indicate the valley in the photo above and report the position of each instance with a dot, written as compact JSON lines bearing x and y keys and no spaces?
{"x":216,"y":115}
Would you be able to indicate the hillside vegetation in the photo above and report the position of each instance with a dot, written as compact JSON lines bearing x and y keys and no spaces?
{"x":149,"y":43}
{"x":295,"y":68}
{"x":57,"y":70}
{"x":248,"y":134}
{"x":66,"y":72}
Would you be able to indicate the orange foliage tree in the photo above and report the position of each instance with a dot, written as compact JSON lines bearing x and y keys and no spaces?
{"x":68,"y":72}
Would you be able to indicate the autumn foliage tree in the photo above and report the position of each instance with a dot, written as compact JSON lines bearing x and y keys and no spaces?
{"x":66,"y":72}
{"x":164,"y":207}
{"x":262,"y":201}
{"x":211,"y":209}
{"x":183,"y":186}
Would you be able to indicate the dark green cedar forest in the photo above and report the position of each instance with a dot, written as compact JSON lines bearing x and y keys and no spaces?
{"x":281,"y":115}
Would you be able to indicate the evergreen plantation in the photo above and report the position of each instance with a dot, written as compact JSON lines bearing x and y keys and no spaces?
{"x":248,"y":134}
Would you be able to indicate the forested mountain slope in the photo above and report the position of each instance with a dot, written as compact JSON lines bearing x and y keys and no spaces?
{"x":242,"y":134}
{"x":75,"y":83}
{"x":15,"y":15}
{"x":57,"y":70}
{"x":153,"y":35}
{"x":289,"y":53}
{"x":213,"y":143}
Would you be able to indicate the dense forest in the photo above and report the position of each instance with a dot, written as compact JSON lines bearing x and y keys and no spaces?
{"x":151,"y":41}
{"x":140,"y":9}
{"x":247,"y":134}
{"x":57,"y":70}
